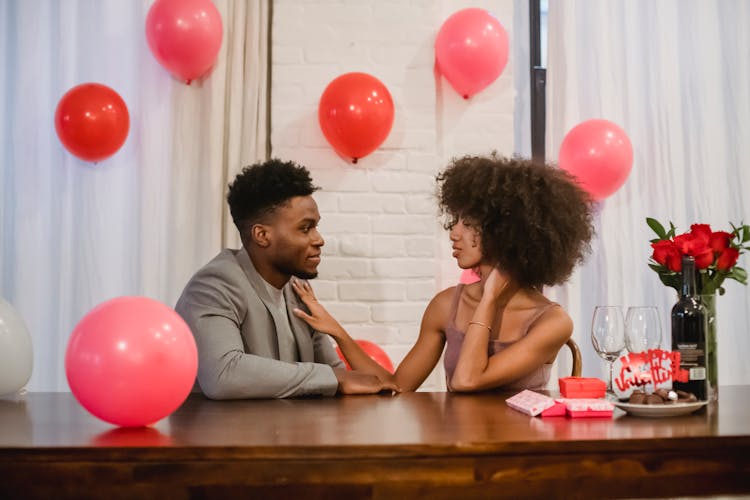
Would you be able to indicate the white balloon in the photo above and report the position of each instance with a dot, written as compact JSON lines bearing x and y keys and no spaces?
{"x":16,"y":357}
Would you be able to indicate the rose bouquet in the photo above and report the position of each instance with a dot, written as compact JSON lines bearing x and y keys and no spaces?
{"x":715,"y":253}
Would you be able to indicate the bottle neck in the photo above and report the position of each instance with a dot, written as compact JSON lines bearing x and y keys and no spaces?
{"x":688,"y":276}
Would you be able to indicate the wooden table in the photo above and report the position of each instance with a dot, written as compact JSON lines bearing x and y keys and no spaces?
{"x":416,"y":445}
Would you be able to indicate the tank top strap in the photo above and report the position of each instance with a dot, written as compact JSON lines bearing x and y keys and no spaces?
{"x":538,"y":314}
{"x":454,"y":304}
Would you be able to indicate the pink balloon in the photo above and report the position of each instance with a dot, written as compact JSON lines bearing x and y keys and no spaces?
{"x":599,"y":154}
{"x":471,"y":50}
{"x":468,"y":276}
{"x":184,"y":36}
{"x":131,"y":361}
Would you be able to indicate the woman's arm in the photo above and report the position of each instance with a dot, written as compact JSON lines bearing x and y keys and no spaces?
{"x":417,"y":364}
{"x":473,"y":360}
{"x":425,"y":353}
{"x":321,"y":320}
{"x":475,"y":371}
{"x":540,"y":344}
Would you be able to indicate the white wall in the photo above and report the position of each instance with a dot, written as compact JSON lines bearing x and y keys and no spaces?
{"x":386,"y":254}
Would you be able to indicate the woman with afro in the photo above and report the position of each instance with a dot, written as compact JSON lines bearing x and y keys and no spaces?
{"x":520,"y":226}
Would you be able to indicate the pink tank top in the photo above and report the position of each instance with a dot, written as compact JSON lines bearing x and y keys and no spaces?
{"x":454,"y":339}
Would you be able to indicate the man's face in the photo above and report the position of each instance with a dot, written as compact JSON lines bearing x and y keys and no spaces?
{"x":295,"y":242}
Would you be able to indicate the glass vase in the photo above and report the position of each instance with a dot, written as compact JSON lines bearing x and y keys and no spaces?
{"x":712,"y":365}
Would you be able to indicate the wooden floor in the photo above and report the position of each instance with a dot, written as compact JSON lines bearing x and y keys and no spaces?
{"x":415,"y":445}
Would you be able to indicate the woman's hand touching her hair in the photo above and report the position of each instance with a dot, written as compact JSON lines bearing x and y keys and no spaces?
{"x":497,"y":281}
{"x":319,"y":319}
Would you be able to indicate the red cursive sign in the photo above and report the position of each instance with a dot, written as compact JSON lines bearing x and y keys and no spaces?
{"x":654,"y":366}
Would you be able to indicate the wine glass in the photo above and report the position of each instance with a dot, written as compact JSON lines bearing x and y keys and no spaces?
{"x":608,"y":337}
{"x":642,"y":329}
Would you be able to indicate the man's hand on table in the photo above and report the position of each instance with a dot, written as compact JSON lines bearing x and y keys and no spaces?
{"x":353,"y":382}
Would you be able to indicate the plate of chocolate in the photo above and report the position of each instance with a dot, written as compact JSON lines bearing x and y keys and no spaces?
{"x":662,"y":403}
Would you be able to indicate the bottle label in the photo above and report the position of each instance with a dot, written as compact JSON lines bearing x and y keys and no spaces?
{"x":697,"y":373}
{"x":690,"y":354}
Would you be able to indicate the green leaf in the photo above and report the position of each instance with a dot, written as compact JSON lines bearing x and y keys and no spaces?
{"x":672,"y":230}
{"x":740,"y":272}
{"x":655,"y":240}
{"x":745,"y":233}
{"x":657,"y":227}
{"x":658,"y":268}
{"x":709,"y":288}
{"x":672,"y":280}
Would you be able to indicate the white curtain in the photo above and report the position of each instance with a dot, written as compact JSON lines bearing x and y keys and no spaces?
{"x":73,"y":234}
{"x":675,"y":75}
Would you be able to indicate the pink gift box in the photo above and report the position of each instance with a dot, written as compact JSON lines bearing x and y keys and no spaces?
{"x":557,"y":410}
{"x":587,"y":408}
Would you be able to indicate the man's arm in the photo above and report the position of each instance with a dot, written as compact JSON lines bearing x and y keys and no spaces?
{"x":325,"y":352}
{"x":225,"y":370}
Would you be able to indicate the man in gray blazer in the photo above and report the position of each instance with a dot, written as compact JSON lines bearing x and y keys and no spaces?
{"x":240,"y":305}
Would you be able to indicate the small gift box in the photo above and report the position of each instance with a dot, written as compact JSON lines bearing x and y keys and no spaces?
{"x":586,"y":408}
{"x":580,"y":387}
{"x":530,"y":402}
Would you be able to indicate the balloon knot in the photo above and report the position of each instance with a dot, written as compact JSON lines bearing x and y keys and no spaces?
{"x":187,"y":82}
{"x":466,"y":96}
{"x":354,"y":160}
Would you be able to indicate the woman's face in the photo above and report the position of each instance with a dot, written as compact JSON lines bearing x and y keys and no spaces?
{"x":467,"y":244}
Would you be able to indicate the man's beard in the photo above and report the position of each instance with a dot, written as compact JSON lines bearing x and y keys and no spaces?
{"x":305,"y":275}
{"x":299,"y":273}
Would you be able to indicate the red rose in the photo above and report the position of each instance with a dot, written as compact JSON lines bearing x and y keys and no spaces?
{"x":667,"y":254}
{"x":701,"y":232}
{"x":719,"y":241}
{"x":695,"y":244}
{"x":674,"y":261}
{"x":727,"y":259}
{"x":684,"y":242}
{"x":662,"y":249}
{"x":705,"y":258}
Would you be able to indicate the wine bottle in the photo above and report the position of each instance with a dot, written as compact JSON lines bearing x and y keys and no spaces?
{"x":689,"y":333}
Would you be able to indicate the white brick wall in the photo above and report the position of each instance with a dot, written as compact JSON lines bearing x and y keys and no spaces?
{"x":386,"y":254}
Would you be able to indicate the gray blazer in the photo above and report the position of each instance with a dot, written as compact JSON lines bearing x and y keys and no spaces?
{"x":230,"y":313}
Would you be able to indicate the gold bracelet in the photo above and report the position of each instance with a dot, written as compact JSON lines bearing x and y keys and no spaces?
{"x":480,"y":324}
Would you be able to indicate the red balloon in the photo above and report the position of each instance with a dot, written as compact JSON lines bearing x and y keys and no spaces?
{"x":92,"y":121}
{"x":355,"y":114}
{"x":131,"y":361}
{"x":471,"y":50}
{"x":372,"y":350}
{"x":184,"y":36}
{"x":599,"y":154}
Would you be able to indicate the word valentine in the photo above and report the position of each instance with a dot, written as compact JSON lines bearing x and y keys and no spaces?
{"x":654,"y":366}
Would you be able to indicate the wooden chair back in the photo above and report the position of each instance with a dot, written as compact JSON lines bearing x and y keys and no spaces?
{"x":576,"y":355}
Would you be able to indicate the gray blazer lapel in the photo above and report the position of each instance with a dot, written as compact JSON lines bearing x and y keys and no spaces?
{"x":256,"y":281}
{"x":300,"y":329}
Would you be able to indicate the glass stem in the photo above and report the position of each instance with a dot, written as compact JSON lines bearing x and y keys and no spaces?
{"x":610,"y":376}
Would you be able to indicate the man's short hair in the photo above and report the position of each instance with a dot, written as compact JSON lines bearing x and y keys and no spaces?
{"x":261,"y":188}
